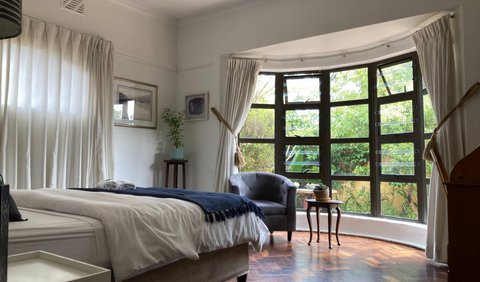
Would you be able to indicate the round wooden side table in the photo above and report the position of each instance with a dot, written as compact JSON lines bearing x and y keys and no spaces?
{"x":328,"y":204}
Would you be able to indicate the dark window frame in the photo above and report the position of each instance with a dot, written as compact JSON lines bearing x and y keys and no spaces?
{"x":324,"y":140}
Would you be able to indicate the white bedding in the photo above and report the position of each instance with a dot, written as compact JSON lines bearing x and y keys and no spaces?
{"x":144,"y":233}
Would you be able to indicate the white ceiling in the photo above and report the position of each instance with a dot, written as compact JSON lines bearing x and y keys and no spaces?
{"x":324,"y":45}
{"x":346,"y":41}
{"x":184,"y":9}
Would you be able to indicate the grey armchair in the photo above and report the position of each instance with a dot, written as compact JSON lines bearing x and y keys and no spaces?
{"x":274,"y":194}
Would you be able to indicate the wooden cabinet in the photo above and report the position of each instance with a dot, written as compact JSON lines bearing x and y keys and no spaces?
{"x":463,"y":199}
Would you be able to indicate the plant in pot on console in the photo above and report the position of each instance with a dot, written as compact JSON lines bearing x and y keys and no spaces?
{"x":321,"y":192}
{"x":174,"y":121}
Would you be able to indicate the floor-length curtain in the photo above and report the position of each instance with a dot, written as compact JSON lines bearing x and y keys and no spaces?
{"x":435,"y":49}
{"x":240,"y":89}
{"x":56,"y":108}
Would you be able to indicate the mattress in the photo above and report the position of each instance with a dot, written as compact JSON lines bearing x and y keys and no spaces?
{"x":73,"y":236}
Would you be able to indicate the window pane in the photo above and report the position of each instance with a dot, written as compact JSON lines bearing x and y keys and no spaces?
{"x":260,"y":123}
{"x":354,"y":194}
{"x":302,"y":158}
{"x":265,"y":89}
{"x":350,"y":159}
{"x":304,"y":190}
{"x":258,"y":157}
{"x":428,"y":165}
{"x":430,"y":122}
{"x":396,"y":118}
{"x":302,"y":123}
{"x":349,"y":121}
{"x":395,"y":79}
{"x":302,"y":90}
{"x":397,"y":159}
{"x":349,"y":85}
{"x":399,"y":199}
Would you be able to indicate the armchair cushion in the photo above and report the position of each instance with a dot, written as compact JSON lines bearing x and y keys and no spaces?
{"x":270,"y":208}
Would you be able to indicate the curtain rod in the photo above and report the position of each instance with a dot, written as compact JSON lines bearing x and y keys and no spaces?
{"x":342,"y":54}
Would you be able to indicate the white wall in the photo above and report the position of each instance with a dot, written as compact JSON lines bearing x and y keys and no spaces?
{"x":145,"y":50}
{"x":203,"y":41}
{"x":148,"y":49}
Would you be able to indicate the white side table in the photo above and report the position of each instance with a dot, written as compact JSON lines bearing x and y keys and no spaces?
{"x":41,"y":266}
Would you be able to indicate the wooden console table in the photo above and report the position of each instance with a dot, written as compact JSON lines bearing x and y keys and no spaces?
{"x":329,"y":204}
{"x":176,"y":164}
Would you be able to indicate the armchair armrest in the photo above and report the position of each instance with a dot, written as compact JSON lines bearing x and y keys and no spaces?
{"x":291,"y":199}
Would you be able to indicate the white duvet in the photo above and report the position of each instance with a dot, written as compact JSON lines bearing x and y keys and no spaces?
{"x":144,"y":233}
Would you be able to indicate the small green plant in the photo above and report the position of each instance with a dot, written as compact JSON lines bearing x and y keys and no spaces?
{"x":175,"y":121}
{"x":320,"y":187}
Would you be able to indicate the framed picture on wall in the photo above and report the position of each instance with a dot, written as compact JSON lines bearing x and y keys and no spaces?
{"x":134,"y":103}
{"x":196,"y":106}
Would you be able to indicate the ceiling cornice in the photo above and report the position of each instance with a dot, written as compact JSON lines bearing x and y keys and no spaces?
{"x":145,"y":11}
{"x":221,"y":12}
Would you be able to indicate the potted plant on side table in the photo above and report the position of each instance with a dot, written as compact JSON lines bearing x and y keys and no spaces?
{"x":175,"y":121}
{"x":321,"y":192}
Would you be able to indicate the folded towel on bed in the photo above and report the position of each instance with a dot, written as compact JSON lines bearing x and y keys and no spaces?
{"x":110,"y":184}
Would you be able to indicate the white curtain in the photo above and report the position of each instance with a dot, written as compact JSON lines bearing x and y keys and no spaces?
{"x":241,"y":82}
{"x":56,"y":108}
{"x":435,"y":49}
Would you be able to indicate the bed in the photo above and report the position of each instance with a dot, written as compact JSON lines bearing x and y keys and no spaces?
{"x":139,"y":238}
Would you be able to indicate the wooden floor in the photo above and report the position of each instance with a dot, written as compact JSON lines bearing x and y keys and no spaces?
{"x":357,"y":259}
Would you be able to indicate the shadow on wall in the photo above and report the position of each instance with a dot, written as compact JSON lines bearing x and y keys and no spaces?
{"x":157,"y":168}
{"x":161,"y":154}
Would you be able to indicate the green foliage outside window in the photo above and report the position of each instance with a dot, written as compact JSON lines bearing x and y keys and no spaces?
{"x":395,"y":79}
{"x":349,"y":85}
{"x":429,"y":116}
{"x":397,"y":159}
{"x":302,"y":90}
{"x":349,"y":121}
{"x":346,"y":121}
{"x":354,"y":194}
{"x":396,"y":118}
{"x":258,"y":157}
{"x":260,"y":123}
{"x":265,"y":90}
{"x":302,"y":123}
{"x":399,"y":199}
{"x":302,"y":159}
{"x":350,"y":159}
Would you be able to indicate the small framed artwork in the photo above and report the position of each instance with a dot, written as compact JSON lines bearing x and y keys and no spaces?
{"x":134,"y":103}
{"x":196,"y":106}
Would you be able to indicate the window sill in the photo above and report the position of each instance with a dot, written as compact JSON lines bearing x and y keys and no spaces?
{"x":403,"y":232}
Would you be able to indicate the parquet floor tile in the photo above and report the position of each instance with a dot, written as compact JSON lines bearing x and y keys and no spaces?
{"x":357,"y":259}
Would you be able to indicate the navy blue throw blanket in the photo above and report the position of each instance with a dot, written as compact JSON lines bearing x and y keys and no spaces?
{"x":216,"y":206}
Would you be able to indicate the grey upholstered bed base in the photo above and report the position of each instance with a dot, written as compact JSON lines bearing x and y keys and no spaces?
{"x":217,"y":266}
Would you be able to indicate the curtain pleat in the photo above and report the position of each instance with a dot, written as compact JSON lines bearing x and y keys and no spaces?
{"x":56,"y":111}
{"x":435,"y":50}
{"x":240,"y":89}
